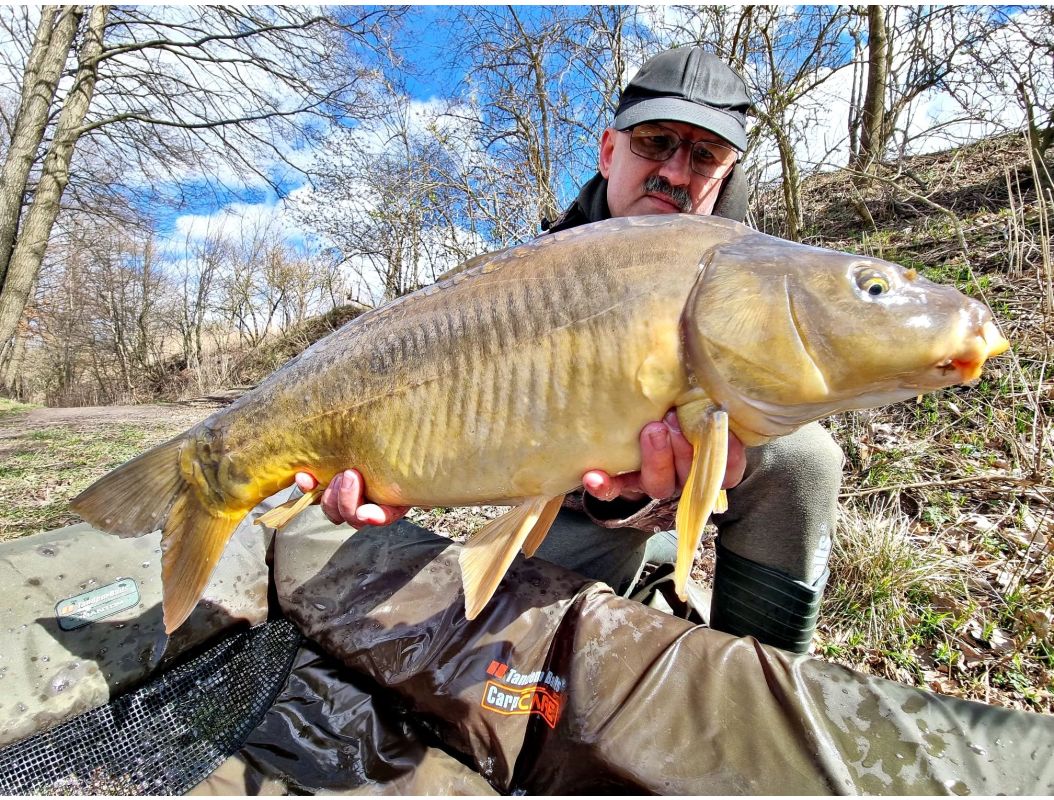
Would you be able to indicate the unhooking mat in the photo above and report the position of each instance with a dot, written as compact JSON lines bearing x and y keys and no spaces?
{"x":558,"y":686}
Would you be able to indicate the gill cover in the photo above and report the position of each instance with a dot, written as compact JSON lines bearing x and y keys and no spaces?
{"x":741,"y":336}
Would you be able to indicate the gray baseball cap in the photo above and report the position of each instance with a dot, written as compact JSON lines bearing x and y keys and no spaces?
{"x":687,"y":84}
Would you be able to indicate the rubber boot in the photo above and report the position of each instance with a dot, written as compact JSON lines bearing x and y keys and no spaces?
{"x":751,"y":599}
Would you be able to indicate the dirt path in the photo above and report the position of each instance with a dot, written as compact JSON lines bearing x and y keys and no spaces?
{"x":100,"y":417}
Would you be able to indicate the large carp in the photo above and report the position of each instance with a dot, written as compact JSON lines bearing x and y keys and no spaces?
{"x":506,"y":382}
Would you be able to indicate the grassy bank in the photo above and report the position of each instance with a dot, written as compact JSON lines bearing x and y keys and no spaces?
{"x":943,"y":574}
{"x":42,"y":467}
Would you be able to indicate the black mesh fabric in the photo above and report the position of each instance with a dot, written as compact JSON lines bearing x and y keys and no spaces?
{"x":166,"y":736}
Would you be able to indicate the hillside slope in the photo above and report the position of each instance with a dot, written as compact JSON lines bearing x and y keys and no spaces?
{"x":944,"y":574}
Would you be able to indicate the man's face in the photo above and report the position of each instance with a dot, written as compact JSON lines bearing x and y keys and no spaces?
{"x":637,"y":185}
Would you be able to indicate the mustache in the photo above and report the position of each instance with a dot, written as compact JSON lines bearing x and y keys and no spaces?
{"x":678,"y":194}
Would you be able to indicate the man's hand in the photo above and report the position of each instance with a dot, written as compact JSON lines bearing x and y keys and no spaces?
{"x":344,"y":500}
{"x":666,"y":459}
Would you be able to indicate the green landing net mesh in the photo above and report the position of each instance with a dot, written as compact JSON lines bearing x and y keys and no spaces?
{"x":169,"y":734}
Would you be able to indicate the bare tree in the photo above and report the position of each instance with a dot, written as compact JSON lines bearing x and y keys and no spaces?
{"x":162,"y":91}
{"x":399,"y":206}
{"x":869,"y":122}
{"x":911,"y":50}
{"x":785,"y":54}
{"x":99,"y":321}
{"x":51,"y":47}
{"x":797,"y":55}
{"x":122,"y":287}
{"x":60,"y":323}
{"x":1014,"y":62}
{"x":261,"y":285}
{"x":612,"y":39}
{"x":198,"y":275}
{"x":301,"y":281}
{"x":21,"y":263}
{"x":518,"y":79}
{"x":240,"y":283}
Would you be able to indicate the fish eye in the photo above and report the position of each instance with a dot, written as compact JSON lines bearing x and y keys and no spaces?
{"x":872,"y":283}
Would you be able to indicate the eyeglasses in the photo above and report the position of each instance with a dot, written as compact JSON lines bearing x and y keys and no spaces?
{"x":656,"y":143}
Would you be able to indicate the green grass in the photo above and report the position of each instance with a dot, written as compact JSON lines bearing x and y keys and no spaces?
{"x":927,"y":600}
{"x":41,"y":469}
{"x":10,"y":408}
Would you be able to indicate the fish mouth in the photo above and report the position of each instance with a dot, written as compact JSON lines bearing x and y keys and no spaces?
{"x":988,"y":343}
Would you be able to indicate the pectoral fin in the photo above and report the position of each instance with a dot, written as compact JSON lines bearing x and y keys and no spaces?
{"x":721,"y":506}
{"x":278,"y":516}
{"x":707,"y":430}
{"x":486,"y":557}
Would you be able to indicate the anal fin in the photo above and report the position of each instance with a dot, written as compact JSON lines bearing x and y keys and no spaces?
{"x":280,"y":515}
{"x":707,"y":429}
{"x":486,"y":557}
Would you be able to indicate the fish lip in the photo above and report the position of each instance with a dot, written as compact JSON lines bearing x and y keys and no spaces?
{"x":968,"y":369}
{"x":970,"y":359}
{"x":995,"y":343}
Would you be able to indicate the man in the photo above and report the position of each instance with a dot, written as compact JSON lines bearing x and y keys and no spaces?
{"x":673,"y":148}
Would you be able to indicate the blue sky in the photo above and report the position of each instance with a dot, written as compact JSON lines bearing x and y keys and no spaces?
{"x":429,"y":76}
{"x":421,"y":43}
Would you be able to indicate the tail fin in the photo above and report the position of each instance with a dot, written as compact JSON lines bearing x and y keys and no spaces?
{"x":191,"y":545}
{"x":136,"y":497}
{"x":150,"y":492}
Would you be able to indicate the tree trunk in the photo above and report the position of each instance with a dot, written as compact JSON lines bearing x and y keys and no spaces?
{"x":540,"y":142}
{"x":1039,"y":139}
{"x":791,"y":184}
{"x":143,"y":338}
{"x":13,"y":382}
{"x":28,"y":252}
{"x":51,"y":48}
{"x":872,"y":136}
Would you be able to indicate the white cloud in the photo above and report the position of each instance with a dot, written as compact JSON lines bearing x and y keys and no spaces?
{"x":237,"y":222}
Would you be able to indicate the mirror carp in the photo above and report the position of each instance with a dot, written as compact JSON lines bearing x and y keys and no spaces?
{"x":507,"y":381}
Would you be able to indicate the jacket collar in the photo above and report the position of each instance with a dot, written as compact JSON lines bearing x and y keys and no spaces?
{"x":591,"y":205}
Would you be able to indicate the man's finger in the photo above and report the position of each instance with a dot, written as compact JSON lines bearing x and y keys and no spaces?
{"x":374,"y":514}
{"x":305,"y":481}
{"x":329,"y":500}
{"x":349,"y":496}
{"x":658,"y":475}
{"x":683,"y":452}
{"x":608,"y":487}
{"x":599,"y":484}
